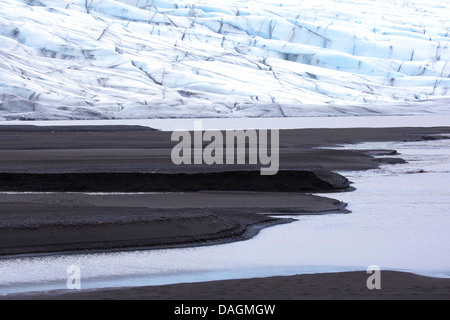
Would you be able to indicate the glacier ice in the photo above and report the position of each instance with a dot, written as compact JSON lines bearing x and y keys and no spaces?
{"x":122,"y":59}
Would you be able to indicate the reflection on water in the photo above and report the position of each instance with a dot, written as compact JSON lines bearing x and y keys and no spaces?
{"x":399,"y":220}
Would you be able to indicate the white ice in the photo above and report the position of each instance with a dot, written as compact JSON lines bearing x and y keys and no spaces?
{"x":127,"y":59}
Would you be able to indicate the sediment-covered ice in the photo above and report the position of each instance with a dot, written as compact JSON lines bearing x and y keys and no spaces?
{"x":95,"y":59}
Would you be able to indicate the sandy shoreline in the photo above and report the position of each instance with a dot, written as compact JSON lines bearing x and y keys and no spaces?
{"x":211,"y":204}
{"x":136,"y":160}
{"x":322,"y":286}
{"x":125,"y":159}
{"x":78,"y":222}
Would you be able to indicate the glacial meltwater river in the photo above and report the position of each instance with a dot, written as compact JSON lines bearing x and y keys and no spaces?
{"x":399,"y":220}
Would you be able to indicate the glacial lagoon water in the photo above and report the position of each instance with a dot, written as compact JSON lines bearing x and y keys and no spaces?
{"x":399,"y":220}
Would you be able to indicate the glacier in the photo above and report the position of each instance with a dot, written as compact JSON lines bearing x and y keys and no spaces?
{"x":130,"y":59}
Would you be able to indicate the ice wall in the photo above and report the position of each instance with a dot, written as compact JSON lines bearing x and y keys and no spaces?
{"x":94,"y":59}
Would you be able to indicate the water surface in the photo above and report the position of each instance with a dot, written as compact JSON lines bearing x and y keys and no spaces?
{"x":400,"y":219}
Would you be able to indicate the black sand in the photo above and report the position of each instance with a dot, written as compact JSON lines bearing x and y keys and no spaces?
{"x":211,"y":204}
{"x":45,"y":223}
{"x":137,"y":159}
{"x":326,"y":286}
{"x":27,"y":149}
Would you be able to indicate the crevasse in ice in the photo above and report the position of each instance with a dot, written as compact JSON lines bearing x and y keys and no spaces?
{"x":95,"y":59}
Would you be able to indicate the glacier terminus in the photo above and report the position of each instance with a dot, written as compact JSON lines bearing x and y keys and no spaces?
{"x":125,"y":59}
